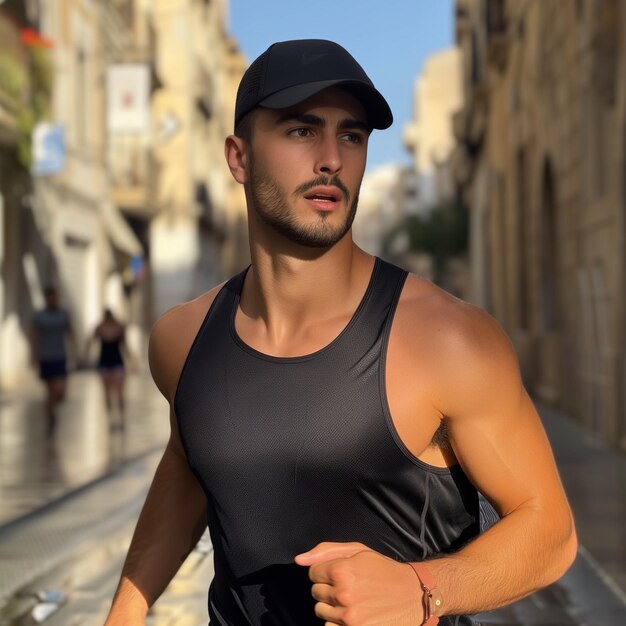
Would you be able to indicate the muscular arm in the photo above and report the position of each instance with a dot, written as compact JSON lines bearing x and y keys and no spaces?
{"x":174,"y":514}
{"x":499,"y":440}
{"x":171,"y":522}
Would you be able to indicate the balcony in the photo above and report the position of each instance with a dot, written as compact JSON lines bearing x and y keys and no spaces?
{"x":462,"y":19}
{"x":125,"y":9}
{"x":133,"y":176}
{"x":469,"y":124}
{"x":8,"y":117}
{"x":14,"y":78}
{"x":129,"y":36}
{"x":497,"y":37}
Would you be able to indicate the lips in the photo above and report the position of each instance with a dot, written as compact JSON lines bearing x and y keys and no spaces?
{"x":327,"y":197}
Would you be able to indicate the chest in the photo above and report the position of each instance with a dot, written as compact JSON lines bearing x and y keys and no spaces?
{"x":52,"y":322}
{"x":237,"y":410}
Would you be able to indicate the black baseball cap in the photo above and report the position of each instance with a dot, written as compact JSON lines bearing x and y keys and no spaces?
{"x":289,"y":72}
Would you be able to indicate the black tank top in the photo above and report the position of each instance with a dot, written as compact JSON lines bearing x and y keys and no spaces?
{"x":110,"y":353}
{"x":295,"y":451}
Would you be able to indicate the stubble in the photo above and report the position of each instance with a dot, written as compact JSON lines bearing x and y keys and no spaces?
{"x":272,"y":205}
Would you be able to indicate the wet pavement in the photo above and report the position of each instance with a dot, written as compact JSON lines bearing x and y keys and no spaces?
{"x":594,"y":476}
{"x":36,"y":469}
{"x":68,"y":506}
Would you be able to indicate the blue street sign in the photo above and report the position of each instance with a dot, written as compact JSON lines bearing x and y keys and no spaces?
{"x":49,"y":153}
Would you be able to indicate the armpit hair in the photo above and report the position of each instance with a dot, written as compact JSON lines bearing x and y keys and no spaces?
{"x":441,"y":438}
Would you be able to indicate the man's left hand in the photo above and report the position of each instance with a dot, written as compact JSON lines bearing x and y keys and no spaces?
{"x":354,"y":585}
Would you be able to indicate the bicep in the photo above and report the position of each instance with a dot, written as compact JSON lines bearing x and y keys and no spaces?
{"x":176,"y":483}
{"x":497,"y":434}
{"x":506,"y":454}
{"x":190,"y":491}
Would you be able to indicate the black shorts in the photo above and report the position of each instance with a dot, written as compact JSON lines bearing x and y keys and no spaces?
{"x":52,"y":369}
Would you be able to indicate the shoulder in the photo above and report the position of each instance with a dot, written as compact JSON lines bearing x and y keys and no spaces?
{"x":461,"y":345}
{"x":171,"y":338}
{"x":450,"y":318}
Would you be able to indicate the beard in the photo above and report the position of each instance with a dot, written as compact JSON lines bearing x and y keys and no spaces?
{"x":271,"y":204}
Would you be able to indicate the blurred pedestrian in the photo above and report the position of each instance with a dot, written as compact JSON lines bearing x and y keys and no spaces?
{"x":111,"y":334}
{"x":51,"y":330}
{"x":334,"y":418}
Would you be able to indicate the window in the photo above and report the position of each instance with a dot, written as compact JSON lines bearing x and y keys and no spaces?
{"x":549,"y":254}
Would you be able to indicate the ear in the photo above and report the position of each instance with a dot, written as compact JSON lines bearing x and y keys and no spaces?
{"x":235,"y":153}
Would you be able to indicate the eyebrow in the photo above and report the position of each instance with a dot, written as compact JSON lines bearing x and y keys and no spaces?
{"x":313,"y":120}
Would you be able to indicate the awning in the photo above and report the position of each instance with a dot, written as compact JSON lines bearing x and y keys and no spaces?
{"x":120,"y":233}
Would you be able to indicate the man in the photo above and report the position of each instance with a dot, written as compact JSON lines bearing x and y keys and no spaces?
{"x":332,"y":417}
{"x":50,"y":330}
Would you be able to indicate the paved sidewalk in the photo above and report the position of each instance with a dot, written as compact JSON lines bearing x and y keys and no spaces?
{"x":36,"y":469}
{"x":69,"y":502}
{"x":593,"y":591}
{"x":594,"y":476}
{"x":61,"y":532}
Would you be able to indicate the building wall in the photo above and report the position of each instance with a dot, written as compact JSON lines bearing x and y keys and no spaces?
{"x":51,"y":227}
{"x":67,"y":204}
{"x":541,"y":163}
{"x":429,"y":137}
{"x":199,"y":210}
{"x":162,"y":195}
{"x":235,"y":250}
{"x":384,"y":199}
{"x":13,"y":184}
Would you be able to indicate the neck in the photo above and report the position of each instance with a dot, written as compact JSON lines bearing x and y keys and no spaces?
{"x":286,"y":291}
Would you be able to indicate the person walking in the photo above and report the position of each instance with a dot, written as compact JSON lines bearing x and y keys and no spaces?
{"x":334,"y":418}
{"x":50,"y":332}
{"x":111,"y":334}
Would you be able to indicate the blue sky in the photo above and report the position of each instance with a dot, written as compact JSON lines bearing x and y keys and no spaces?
{"x":389,"y":39}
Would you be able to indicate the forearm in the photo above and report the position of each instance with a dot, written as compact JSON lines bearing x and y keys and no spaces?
{"x":129,"y":606}
{"x":522,"y":553}
{"x":171,"y":522}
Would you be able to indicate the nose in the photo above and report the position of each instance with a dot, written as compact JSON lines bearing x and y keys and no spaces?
{"x":329,"y":161}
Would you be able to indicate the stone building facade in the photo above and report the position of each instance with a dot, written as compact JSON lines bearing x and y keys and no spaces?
{"x":430,"y":140}
{"x":199,"y":209}
{"x":541,"y":161}
{"x":428,"y":136}
{"x":133,"y":217}
{"x":16,"y":214}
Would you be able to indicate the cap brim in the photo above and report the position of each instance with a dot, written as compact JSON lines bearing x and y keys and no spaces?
{"x":378,"y":113}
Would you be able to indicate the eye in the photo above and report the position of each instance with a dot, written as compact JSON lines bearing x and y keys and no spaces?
{"x":353,"y":137}
{"x":300,"y":132}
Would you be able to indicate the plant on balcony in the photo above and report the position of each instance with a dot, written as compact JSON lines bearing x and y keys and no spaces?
{"x":36,"y":106}
{"x":13,"y":79}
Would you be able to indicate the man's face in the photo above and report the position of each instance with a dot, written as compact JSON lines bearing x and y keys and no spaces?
{"x":305,"y":167}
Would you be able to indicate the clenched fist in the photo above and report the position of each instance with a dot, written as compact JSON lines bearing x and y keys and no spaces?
{"x":356,"y":586}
